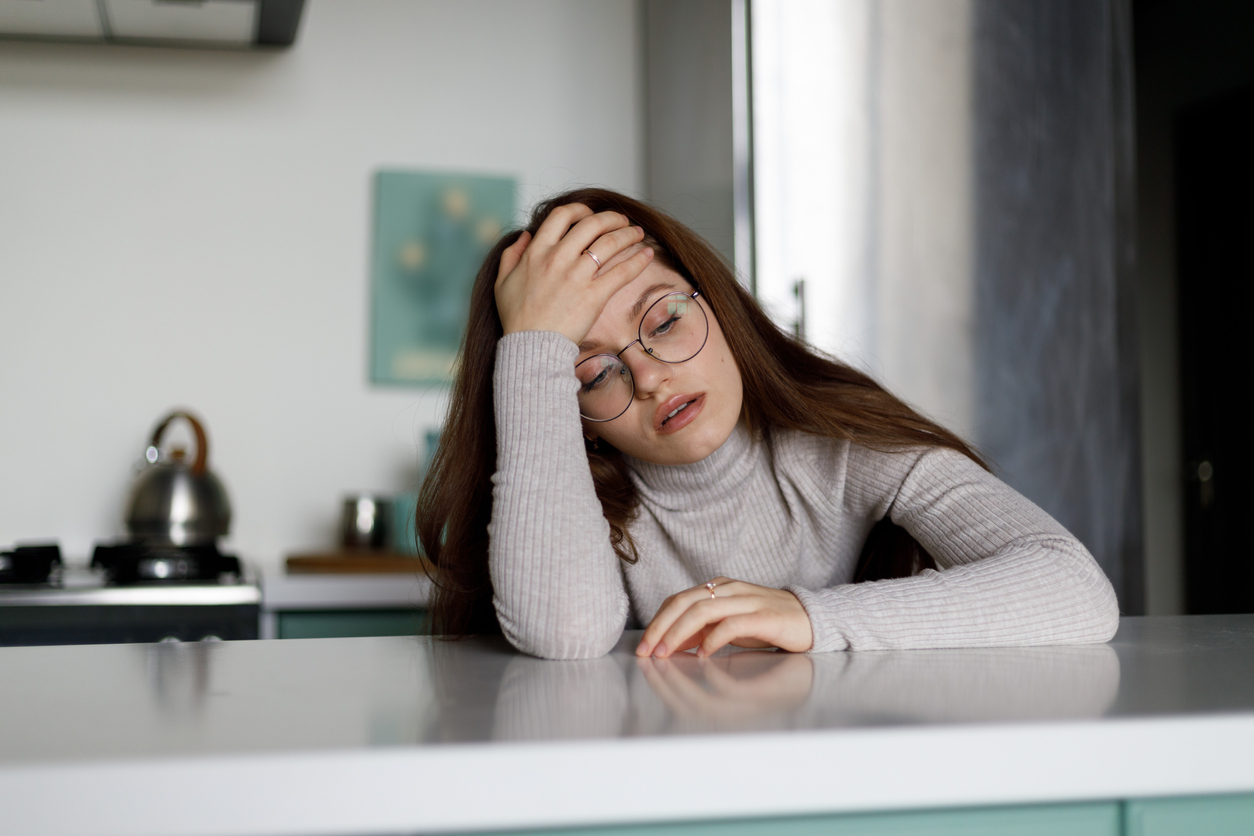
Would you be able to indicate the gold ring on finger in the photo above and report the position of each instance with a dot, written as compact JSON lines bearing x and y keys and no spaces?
{"x":710,"y":586}
{"x":590,"y":254}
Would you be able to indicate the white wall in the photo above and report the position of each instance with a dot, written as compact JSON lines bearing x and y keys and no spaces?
{"x":184,"y":227}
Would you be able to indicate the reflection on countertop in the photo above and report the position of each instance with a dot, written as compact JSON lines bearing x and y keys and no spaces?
{"x":754,"y":690}
{"x":107,"y":701}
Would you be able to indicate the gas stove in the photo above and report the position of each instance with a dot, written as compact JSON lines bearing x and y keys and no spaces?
{"x":123,"y":564}
{"x":130,"y":592}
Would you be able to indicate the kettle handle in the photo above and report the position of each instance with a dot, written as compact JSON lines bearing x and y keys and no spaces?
{"x":202,"y":441}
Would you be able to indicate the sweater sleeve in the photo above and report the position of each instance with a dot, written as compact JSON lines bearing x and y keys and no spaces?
{"x":1009,"y":573}
{"x":557,"y":587}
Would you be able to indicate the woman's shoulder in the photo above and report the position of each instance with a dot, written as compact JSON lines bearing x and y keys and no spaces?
{"x":804,"y":457}
{"x":873,"y":473}
{"x":825,"y":453}
{"x":807,"y":449}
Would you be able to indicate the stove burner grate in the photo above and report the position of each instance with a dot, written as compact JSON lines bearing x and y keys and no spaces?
{"x":135,"y":563}
{"x":33,"y":564}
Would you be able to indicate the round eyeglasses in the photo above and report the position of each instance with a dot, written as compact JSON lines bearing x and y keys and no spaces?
{"x":674,"y":329}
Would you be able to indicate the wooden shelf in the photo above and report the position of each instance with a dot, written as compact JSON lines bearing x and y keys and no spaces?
{"x":357,"y":563}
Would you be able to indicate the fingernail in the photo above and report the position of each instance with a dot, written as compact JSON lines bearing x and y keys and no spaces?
{"x":660,"y":650}
{"x":642,"y":649}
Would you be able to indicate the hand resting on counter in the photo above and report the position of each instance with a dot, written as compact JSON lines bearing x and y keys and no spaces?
{"x":727,"y":611}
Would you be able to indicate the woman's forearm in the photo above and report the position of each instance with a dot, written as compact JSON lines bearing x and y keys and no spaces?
{"x":1010,"y":573}
{"x":558,"y":590}
{"x":1038,"y":593}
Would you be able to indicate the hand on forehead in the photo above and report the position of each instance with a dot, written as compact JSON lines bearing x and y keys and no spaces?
{"x":619,"y":258}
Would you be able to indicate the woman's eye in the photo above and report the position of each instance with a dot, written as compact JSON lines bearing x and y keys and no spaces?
{"x":598,"y":380}
{"x":665,"y":327}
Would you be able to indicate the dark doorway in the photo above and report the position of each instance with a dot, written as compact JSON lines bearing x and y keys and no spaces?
{"x":1215,"y":234}
{"x":1193,"y":58}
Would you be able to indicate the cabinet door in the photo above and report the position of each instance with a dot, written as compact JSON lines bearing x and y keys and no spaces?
{"x":1220,"y":815}
{"x":339,"y":624}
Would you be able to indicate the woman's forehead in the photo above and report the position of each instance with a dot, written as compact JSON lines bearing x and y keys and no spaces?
{"x":622,"y":312}
{"x":653,"y":281}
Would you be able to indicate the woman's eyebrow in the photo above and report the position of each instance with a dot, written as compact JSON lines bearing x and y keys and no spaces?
{"x":644,"y":297}
{"x":588,"y":345}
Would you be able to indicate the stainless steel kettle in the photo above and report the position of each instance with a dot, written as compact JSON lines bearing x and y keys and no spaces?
{"x":174,"y":503}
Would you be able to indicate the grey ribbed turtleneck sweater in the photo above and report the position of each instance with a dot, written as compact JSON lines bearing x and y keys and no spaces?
{"x":791,"y":514}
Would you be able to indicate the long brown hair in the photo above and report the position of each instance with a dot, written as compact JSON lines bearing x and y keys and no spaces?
{"x":787,"y":385}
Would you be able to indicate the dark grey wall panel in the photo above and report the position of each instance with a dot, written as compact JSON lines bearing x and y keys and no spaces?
{"x":1056,"y":376}
{"x":690,"y":154}
{"x":277,"y":22}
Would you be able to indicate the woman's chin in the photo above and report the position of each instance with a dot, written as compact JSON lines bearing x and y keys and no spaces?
{"x":687,"y":446}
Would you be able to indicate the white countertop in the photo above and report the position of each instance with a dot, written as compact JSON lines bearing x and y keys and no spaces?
{"x":389,"y":735}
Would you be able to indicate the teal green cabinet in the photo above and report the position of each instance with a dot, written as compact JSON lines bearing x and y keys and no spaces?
{"x":338,"y":624}
{"x":1100,"y":819}
{"x":1221,"y":815}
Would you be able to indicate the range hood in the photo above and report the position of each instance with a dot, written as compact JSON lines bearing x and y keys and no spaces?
{"x":197,"y":23}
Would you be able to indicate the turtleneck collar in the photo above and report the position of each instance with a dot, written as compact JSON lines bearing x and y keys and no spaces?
{"x":687,"y":487}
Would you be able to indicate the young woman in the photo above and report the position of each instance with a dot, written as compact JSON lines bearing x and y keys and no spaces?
{"x":631,"y":440}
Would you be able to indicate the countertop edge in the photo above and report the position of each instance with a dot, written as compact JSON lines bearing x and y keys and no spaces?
{"x":468,"y":787}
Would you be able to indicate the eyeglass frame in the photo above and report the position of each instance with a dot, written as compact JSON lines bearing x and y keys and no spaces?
{"x":696,"y":292}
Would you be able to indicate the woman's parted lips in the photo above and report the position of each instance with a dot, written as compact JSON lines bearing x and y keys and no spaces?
{"x":670,"y":405}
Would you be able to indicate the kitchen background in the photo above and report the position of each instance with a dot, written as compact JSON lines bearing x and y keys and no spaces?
{"x":193,"y":227}
{"x":946,"y":192}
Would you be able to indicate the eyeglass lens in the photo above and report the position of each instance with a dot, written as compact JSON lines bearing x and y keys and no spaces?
{"x":674,"y":329}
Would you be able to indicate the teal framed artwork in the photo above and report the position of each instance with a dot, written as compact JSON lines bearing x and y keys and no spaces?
{"x":431,"y":233}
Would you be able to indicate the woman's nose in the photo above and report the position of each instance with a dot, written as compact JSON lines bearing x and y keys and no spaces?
{"x":649,"y":374}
